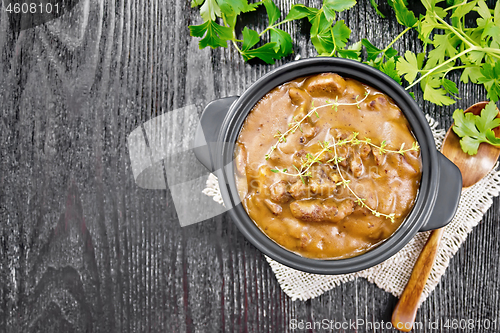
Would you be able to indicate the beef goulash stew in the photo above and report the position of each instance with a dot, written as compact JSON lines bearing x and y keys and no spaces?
{"x":327,"y":167}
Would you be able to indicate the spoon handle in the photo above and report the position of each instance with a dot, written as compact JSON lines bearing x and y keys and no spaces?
{"x":406,"y":309}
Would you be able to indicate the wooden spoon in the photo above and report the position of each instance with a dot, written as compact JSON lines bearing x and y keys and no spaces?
{"x":473,"y":169}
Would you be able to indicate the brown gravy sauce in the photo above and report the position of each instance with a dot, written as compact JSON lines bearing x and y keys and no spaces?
{"x":319,"y":217}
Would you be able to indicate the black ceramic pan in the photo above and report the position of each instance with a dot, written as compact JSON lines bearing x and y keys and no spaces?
{"x":441,"y":182}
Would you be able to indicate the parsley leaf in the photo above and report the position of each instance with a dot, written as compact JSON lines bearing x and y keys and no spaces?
{"x":214,"y":34}
{"x":389,"y":68}
{"x":491,"y":80}
{"x":444,"y":46}
{"x":375,"y":6}
{"x":391,"y":53}
{"x":340,"y":34}
{"x":321,"y":34}
{"x":265,"y":52}
{"x":474,"y":130}
{"x":483,"y":10}
{"x":235,"y":7}
{"x":433,"y":92}
{"x":404,"y":15}
{"x":463,"y":37}
{"x":332,"y":6}
{"x":300,"y":11}
{"x":351,"y":52}
{"x":496,"y":14}
{"x":210,"y":10}
{"x":472,"y":73}
{"x":449,"y":86}
{"x":371,"y":50}
{"x":464,"y":9}
{"x":196,"y":3}
{"x":250,"y":38}
{"x":408,"y":66}
{"x":283,"y":41}
{"x":273,"y":12}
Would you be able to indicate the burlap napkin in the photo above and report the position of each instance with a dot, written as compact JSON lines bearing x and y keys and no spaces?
{"x":393,"y":274}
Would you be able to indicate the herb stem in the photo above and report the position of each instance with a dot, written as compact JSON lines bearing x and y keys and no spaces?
{"x":463,"y":37}
{"x":446,"y":70}
{"x":326,"y":145}
{"x":358,"y":199}
{"x":315,"y":159}
{"x":489,"y":50}
{"x":236,"y":46}
{"x":395,"y":39}
{"x":273,"y":26}
{"x":494,"y":55}
{"x":334,"y":45}
{"x":441,"y":65}
{"x":455,"y":6}
{"x":292,"y":129}
{"x":453,"y":68}
{"x":234,"y":39}
{"x":400,"y":151}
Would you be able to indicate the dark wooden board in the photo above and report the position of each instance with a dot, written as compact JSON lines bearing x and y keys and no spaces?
{"x":83,"y":249}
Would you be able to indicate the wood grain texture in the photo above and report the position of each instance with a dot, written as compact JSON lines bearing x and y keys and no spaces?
{"x":83,"y":249}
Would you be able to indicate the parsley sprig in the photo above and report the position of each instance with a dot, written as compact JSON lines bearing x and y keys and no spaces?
{"x":328,"y":36}
{"x":450,"y":45}
{"x":474,"y":130}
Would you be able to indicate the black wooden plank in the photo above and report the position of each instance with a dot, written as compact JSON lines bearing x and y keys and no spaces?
{"x":82,"y":248}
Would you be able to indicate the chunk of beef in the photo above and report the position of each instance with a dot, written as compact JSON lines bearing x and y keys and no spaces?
{"x":379,"y":103}
{"x":366,"y":188}
{"x":401,"y":163}
{"x":299,"y":157}
{"x":339,"y":134}
{"x":279,"y":192}
{"x":343,"y":153}
{"x":299,"y":96}
{"x":321,"y":183}
{"x":364,"y":150}
{"x":273,"y":207}
{"x":318,"y":210}
{"x":354,"y":91}
{"x":382,"y":104}
{"x":298,"y":190}
{"x":309,"y":131}
{"x":356,"y":165}
{"x":325,"y":85}
{"x":302,"y":99}
{"x":261,"y":180}
{"x":379,"y":157}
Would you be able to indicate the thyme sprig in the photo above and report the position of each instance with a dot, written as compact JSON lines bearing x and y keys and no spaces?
{"x":327,"y":146}
{"x":296,"y":123}
{"x":360,"y":201}
{"x":382,"y":148}
{"x":310,"y":160}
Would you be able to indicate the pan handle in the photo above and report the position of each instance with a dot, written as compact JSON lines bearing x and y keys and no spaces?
{"x":205,"y":140}
{"x":448,"y":198}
